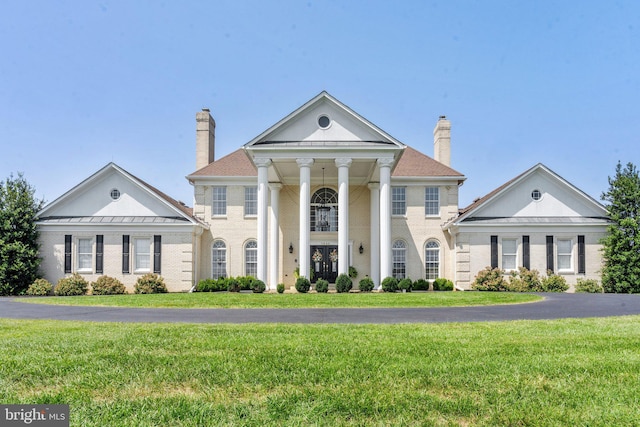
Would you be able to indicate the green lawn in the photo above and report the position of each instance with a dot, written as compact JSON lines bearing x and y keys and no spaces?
{"x":312,"y":300}
{"x":538,"y":373}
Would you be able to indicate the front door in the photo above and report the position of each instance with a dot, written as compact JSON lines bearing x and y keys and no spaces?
{"x":324,"y":262}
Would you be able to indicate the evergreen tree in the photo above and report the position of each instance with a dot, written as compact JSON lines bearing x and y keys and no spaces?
{"x":621,"y":251}
{"x":19,"y":259}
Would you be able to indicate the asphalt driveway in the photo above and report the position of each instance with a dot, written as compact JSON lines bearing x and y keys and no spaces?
{"x":553,"y":306}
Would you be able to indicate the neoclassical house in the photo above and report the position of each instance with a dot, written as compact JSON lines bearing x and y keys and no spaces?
{"x":320,"y":191}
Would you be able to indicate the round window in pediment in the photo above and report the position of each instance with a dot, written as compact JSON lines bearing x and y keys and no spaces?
{"x":115,"y":194}
{"x":324,"y":121}
{"x":536,"y":195}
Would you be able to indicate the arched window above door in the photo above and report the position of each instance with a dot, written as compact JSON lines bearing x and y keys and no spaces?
{"x":324,"y":210}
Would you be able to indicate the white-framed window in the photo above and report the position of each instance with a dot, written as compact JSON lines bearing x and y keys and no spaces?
{"x":509,"y":254}
{"x":398,"y":201}
{"x":250,"y":201}
{"x":218,"y":260}
{"x":141,"y":255}
{"x":324,"y":210}
{"x":85,"y":255}
{"x":251,"y":258}
{"x":219,"y":201}
{"x":432,"y":260}
{"x":399,"y":253}
{"x":564,"y":254}
{"x":432,"y":201}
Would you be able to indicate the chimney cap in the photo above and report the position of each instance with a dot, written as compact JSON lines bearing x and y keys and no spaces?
{"x":442,"y":117}
{"x":205,"y":109}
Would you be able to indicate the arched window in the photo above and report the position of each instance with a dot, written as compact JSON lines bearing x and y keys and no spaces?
{"x":218,"y":260}
{"x":324,"y":210}
{"x":251,"y":258}
{"x":399,"y":252}
{"x":432,"y":260}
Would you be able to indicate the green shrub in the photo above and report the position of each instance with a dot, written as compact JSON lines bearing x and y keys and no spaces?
{"x":303,"y":285}
{"x":591,"y":286}
{"x":72,"y":285}
{"x":280,"y":288}
{"x":405,"y":284}
{"x":524,"y":280}
{"x":554,"y":283}
{"x":106,"y":285}
{"x":150,"y":283}
{"x":212,"y":285}
{"x":421,"y":285}
{"x":258,"y":286}
{"x":353,"y":273}
{"x":322,"y":286}
{"x":490,"y":280}
{"x":442,"y":284}
{"x":366,"y":285}
{"x":40,"y":287}
{"x":233,"y":285}
{"x":390,"y":284}
{"x":343,"y":283}
{"x":246,"y":283}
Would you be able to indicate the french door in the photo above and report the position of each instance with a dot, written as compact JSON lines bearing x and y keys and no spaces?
{"x":324,"y":262}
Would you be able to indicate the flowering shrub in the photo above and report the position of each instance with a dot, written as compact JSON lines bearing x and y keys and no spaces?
{"x":72,"y":285}
{"x":524,"y":281}
{"x":40,"y":287}
{"x":150,"y":283}
{"x":554,"y":283}
{"x":490,"y":279}
{"x":589,"y":285}
{"x":106,"y":285}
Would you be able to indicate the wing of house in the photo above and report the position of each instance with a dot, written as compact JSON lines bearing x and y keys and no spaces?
{"x":115,"y":224}
{"x":538,"y":220}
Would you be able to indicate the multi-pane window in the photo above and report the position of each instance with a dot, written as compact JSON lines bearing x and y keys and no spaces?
{"x":509,"y":254}
{"x":250,"y":201}
{"x":431,"y":201}
{"x":219,"y":196}
{"x":399,"y":252}
{"x":564,"y":250}
{"x":218,"y":260}
{"x":398,"y":200}
{"x":142,"y":255}
{"x":85,"y":255}
{"x":251,"y":258}
{"x":324,"y":210}
{"x":432,"y":260}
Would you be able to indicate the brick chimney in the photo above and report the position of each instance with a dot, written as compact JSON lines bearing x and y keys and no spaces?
{"x":205,"y":138}
{"x":442,"y":141}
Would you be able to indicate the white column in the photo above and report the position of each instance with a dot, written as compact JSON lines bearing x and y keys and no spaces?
{"x":385,"y":217}
{"x":274,"y":242}
{"x":374,"y":250}
{"x":343,"y":214}
{"x":263,"y":217}
{"x":304,"y":257}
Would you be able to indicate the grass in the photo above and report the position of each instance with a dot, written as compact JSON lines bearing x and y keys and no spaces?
{"x":542,"y":373}
{"x":313,"y":300}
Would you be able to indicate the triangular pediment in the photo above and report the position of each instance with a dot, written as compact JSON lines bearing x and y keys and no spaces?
{"x":537,"y":193}
{"x":321,"y":122}
{"x":113,"y":192}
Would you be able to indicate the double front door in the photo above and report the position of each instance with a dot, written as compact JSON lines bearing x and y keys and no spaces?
{"x":324,"y":262}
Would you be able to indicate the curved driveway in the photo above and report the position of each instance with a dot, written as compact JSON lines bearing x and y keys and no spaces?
{"x":554,"y":306}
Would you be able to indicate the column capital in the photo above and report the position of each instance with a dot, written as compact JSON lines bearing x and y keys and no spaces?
{"x":304,"y":162}
{"x":262,"y":162}
{"x":275,"y":186}
{"x":344,"y":162}
{"x":373,"y":185}
{"x":385,"y":162}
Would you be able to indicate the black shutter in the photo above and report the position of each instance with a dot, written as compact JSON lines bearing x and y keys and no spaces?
{"x":125,"y":254}
{"x":550,"y":253}
{"x":67,"y":253}
{"x":582,"y":259}
{"x":494,"y":251}
{"x":157,"y":244}
{"x":526,"y":257}
{"x":99,"y":254}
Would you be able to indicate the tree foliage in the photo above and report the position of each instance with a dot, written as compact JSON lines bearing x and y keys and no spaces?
{"x":19,"y":259}
{"x":621,"y":246}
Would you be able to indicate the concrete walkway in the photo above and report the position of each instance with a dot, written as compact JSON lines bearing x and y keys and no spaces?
{"x":554,"y":306}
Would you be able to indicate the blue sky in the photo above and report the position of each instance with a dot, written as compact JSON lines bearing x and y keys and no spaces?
{"x":84,"y":83}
